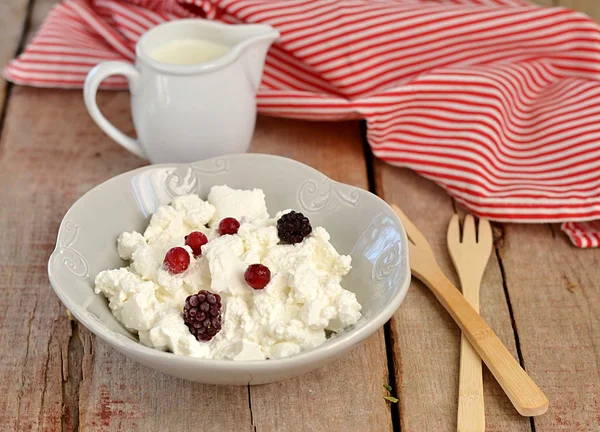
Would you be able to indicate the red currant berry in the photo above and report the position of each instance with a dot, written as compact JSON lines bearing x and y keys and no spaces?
{"x":177,"y":260}
{"x":257,"y":276}
{"x":229,"y":226}
{"x":196,"y":240}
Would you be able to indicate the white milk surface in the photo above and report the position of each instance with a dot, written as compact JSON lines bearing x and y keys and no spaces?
{"x":188,"y":51}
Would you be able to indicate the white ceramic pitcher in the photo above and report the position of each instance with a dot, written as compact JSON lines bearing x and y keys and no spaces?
{"x":184,"y":113}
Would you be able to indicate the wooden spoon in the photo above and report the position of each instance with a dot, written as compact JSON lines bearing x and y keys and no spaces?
{"x":524,"y":394}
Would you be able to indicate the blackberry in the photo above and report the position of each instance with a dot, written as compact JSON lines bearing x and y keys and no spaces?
{"x":293,"y":227}
{"x":202,"y":315}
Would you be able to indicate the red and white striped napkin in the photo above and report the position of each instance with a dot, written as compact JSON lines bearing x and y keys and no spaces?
{"x":498,"y":101}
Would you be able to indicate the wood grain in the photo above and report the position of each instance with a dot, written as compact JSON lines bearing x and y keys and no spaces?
{"x":521,"y":390}
{"x":39,"y":11}
{"x":348,"y":394}
{"x":55,"y":375}
{"x":12,"y":25}
{"x":555,"y":295}
{"x":589,"y":7}
{"x":51,"y":154}
{"x":99,"y":389}
{"x":426,"y":341}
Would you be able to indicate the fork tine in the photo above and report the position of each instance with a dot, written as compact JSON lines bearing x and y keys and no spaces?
{"x":453,"y":233}
{"x":411,"y":230}
{"x":469,"y":235}
{"x":485,"y":235}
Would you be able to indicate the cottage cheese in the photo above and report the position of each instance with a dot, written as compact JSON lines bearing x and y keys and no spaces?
{"x":303,"y":300}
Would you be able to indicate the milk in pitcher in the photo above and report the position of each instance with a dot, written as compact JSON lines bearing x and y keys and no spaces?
{"x":188,"y":51}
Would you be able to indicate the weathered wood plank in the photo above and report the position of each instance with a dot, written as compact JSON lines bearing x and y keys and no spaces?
{"x":102,"y":390}
{"x":32,"y":333}
{"x":589,"y":7}
{"x":51,"y":154}
{"x":12,"y":25}
{"x":52,"y":150}
{"x":426,"y":342}
{"x":348,"y":394}
{"x":54,"y":371}
{"x":554,"y":290}
{"x":39,"y":11}
{"x":117,"y":393}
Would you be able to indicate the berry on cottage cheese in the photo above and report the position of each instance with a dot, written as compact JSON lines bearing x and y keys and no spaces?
{"x":202,"y":315}
{"x":298,"y":306}
{"x":257,"y":276}
{"x":177,"y":260}
{"x":195,"y":240}
{"x":293,"y":227}
{"x":229,"y":226}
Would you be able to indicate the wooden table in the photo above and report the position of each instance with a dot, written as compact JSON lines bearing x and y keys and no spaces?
{"x":541,"y":295}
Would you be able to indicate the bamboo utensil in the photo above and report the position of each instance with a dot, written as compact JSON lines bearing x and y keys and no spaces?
{"x":524,"y":394}
{"x":470,"y":255}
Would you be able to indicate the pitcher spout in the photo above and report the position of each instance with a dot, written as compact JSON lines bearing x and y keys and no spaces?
{"x":255,"y":41}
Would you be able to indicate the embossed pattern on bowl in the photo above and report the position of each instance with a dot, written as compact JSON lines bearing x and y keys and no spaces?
{"x":360,"y":224}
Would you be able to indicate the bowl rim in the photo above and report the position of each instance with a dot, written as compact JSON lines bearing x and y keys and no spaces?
{"x":330,"y":350}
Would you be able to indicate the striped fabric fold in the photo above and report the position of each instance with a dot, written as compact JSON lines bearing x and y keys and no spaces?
{"x":497,"y":101}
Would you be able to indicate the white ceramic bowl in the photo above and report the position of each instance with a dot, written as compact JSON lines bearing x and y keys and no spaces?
{"x":360,"y":224}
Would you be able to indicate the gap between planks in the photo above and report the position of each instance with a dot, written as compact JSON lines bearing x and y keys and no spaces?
{"x":7,"y":87}
{"x":498,"y":230}
{"x":425,"y":339}
{"x":110,"y":390}
{"x":513,"y":323}
{"x":362,"y":407}
{"x":26,"y":25}
{"x":388,"y":335}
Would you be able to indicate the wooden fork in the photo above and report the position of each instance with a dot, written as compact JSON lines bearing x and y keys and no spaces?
{"x":526,"y":397}
{"x":470,"y":256}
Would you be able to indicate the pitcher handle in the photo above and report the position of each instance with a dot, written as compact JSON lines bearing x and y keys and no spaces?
{"x":90,"y":88}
